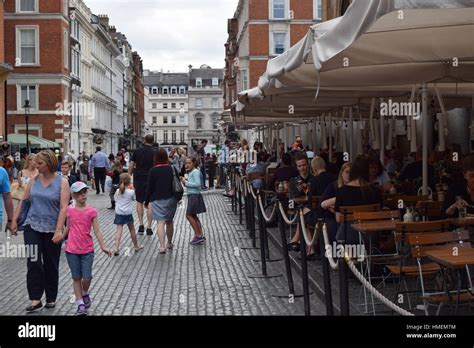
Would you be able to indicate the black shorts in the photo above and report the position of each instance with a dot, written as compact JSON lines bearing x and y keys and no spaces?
{"x":140,"y":183}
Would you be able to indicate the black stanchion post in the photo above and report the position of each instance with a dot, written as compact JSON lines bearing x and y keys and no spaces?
{"x":250,"y":216}
{"x":304,"y":269}
{"x":240,"y":202}
{"x":262,"y":251}
{"x":265,"y":232}
{"x":326,"y":270}
{"x":343,"y":282}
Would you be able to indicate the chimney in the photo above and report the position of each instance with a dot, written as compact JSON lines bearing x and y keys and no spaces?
{"x":112,"y":29}
{"x":190,"y":67}
{"x":104,"y":21}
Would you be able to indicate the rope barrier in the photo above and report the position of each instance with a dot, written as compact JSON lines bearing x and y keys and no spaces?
{"x":328,"y":252}
{"x":250,"y":188}
{"x":360,"y":277}
{"x":262,"y":209}
{"x":285,"y":218}
{"x":303,"y":231}
{"x":374,"y":291}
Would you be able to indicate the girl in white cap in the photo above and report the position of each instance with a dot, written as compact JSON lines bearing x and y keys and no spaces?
{"x":80,"y":246}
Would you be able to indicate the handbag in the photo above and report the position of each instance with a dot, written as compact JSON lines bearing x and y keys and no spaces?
{"x":178,"y":189}
{"x":25,"y":207}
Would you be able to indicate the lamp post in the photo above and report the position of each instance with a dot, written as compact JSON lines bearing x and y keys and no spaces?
{"x":27,"y":119}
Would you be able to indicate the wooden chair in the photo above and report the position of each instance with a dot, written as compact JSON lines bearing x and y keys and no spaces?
{"x":348,"y":211}
{"x":420,"y":244}
{"x":407,"y":266}
{"x":430,"y":210}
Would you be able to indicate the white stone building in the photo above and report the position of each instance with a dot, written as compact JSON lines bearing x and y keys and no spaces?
{"x":167,"y":117}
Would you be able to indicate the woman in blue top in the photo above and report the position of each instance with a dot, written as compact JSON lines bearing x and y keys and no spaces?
{"x":195,"y":201}
{"x":49,"y":198}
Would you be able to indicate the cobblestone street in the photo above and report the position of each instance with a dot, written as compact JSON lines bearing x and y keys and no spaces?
{"x":208,"y":279}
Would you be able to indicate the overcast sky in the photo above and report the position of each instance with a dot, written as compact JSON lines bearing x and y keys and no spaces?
{"x":171,"y":34}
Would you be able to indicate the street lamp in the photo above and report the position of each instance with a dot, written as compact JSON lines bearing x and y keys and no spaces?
{"x":27,"y":119}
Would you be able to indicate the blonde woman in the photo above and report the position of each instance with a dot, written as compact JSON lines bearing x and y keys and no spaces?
{"x":49,"y":197}
{"x":329,"y":200}
{"x":28,"y":172}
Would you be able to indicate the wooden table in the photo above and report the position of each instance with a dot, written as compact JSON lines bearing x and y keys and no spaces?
{"x":375,"y":226}
{"x":447,"y":258}
{"x":469,"y":221}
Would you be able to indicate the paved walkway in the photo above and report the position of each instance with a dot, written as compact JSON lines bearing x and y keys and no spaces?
{"x":209,"y":279}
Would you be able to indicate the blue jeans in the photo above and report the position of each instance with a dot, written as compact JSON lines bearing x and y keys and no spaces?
{"x":80,"y":265}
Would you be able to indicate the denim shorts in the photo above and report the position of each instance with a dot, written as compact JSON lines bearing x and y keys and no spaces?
{"x":80,"y":265}
{"x":123,"y":219}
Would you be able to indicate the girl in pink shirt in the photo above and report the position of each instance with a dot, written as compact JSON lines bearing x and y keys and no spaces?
{"x":80,"y":246}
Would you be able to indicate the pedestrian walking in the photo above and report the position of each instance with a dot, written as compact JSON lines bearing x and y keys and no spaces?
{"x":141,"y":162}
{"x":195,"y":201}
{"x":48,"y":195}
{"x":28,"y":172}
{"x":115,"y":173}
{"x":160,"y":194}
{"x":124,"y":198}
{"x":99,"y":166}
{"x":202,"y":153}
{"x":80,"y":246}
{"x":84,"y":171}
{"x":66,"y":172}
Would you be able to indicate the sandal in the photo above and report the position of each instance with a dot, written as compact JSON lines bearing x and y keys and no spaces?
{"x":162,"y":251}
{"x":170,"y":246}
{"x":138,"y":248}
{"x":117,"y":252}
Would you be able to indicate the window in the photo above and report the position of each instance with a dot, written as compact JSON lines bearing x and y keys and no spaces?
{"x":154,"y":90}
{"x":26,"y":5}
{"x":198,"y":102}
{"x":244,"y":79}
{"x":181,"y":136}
{"x":181,"y":105}
{"x":174,"y":90}
{"x":165,"y":90}
{"x":28,"y":93}
{"x":27,"y":45}
{"x":215,"y":82}
{"x":215,"y":103}
{"x":173,"y":105}
{"x":153,"y":120}
{"x":165,"y":136}
{"x":66,"y":49}
{"x":75,"y":61}
{"x":279,"y":9}
{"x":198,"y":122}
{"x":153,"y":105}
{"x":182,"y":90}
{"x":155,"y":134}
{"x":173,"y":136}
{"x":279,"y":43}
{"x":165,"y":119}
{"x":198,"y":82}
{"x":173,"y":119}
{"x":75,"y":28}
{"x":181,"y":119}
{"x":318,"y":9}
{"x":165,"y":105}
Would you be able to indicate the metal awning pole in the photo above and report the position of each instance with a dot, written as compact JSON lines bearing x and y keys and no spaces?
{"x":351,"y":134}
{"x":424,"y":94}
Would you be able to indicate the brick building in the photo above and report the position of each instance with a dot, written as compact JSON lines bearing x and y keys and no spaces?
{"x":37,"y":43}
{"x":263,"y":29}
{"x":5,"y":69}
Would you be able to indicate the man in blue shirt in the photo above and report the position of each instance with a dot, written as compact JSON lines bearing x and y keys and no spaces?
{"x":202,"y":152}
{"x":223,"y":159}
{"x":7,"y":197}
{"x":100,"y":165}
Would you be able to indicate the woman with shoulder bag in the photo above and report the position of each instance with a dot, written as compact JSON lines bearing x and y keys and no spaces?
{"x":48,"y":196}
{"x":161,"y":194}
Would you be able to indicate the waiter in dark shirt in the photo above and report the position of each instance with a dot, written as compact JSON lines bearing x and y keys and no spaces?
{"x":464,"y":190}
{"x":141,"y":162}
